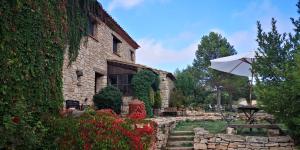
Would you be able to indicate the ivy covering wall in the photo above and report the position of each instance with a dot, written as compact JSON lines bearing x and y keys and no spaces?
{"x":34,"y":35}
{"x":145,"y":85}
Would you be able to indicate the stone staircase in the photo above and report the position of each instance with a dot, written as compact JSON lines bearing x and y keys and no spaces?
{"x":181,"y":140}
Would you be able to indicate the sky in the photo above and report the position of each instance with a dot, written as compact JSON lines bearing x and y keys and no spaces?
{"x":169,"y":31}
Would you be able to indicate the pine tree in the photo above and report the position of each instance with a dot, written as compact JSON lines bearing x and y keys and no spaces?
{"x":278,"y":76}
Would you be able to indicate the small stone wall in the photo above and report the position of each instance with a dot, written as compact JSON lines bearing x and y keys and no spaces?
{"x":163,"y":131}
{"x":205,"y":141}
{"x":166,"y":124}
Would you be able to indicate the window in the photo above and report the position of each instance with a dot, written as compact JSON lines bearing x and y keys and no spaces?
{"x":116,"y":42}
{"x":91,"y":26}
{"x":132,"y":57}
{"x":122,"y":82}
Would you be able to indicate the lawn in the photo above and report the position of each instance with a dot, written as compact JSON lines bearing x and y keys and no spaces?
{"x":217,"y":126}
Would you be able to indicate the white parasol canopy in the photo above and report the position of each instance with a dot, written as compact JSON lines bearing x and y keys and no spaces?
{"x":239,"y":64}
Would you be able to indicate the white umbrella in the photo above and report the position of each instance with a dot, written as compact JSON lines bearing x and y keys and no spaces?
{"x":240,"y":64}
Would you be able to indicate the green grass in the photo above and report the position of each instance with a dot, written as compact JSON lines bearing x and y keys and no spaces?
{"x":217,"y":126}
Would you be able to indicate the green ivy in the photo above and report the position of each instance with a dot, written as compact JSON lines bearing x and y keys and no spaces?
{"x":142,"y":83}
{"x":34,"y":35}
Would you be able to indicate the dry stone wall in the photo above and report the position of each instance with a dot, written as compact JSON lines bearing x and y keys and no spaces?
{"x":205,"y":141}
{"x":166,"y":124}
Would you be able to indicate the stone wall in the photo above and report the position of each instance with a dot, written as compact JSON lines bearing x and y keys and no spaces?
{"x":166,"y":86}
{"x":125,"y":105}
{"x":166,"y":124}
{"x":92,"y":58}
{"x":205,"y":141}
{"x":164,"y":128}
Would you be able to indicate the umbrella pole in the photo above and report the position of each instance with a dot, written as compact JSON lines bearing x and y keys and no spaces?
{"x":251,"y":86}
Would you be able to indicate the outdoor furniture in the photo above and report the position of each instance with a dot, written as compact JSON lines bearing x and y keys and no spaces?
{"x":249,"y":112}
{"x":72,"y":104}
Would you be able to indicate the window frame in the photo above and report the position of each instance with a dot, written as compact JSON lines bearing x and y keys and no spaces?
{"x":115,"y":47}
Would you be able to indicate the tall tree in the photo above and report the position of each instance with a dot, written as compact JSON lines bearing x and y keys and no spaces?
{"x":214,"y":46}
{"x":278,"y":83}
{"x":211,"y":46}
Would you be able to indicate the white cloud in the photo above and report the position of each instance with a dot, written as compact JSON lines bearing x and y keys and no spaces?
{"x":154,"y":54}
{"x":126,"y":4}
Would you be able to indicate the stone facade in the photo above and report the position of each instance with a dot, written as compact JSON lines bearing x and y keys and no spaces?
{"x":90,"y":72}
{"x":92,"y":59}
{"x":166,"y":86}
{"x":203,"y":140}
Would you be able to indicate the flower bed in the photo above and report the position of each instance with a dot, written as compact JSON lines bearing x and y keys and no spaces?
{"x":106,"y":130}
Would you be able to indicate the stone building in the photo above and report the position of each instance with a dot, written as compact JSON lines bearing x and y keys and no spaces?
{"x":106,"y":56}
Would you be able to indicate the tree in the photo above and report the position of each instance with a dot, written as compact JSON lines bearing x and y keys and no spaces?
{"x":278,"y":76}
{"x":211,"y":47}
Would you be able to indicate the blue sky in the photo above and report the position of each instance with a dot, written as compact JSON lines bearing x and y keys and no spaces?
{"x":169,"y":31}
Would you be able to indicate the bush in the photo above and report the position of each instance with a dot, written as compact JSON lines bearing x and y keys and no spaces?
{"x":178,"y":99}
{"x":109,"y":97}
{"x":157,"y":100}
{"x":143,"y":82}
{"x":104,"y":130}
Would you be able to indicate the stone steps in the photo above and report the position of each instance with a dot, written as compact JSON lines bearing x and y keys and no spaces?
{"x":182,"y":133}
{"x":181,"y":137}
{"x":180,"y":148}
{"x":179,"y":143}
{"x":180,"y":140}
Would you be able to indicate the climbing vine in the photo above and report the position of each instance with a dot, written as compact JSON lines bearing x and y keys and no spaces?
{"x":34,"y":35}
{"x":145,"y":83}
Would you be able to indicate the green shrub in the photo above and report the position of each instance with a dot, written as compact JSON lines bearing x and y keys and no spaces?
{"x":151,"y":96}
{"x":142,"y":83}
{"x":177,"y":98}
{"x":157,"y":100}
{"x":109,"y":97}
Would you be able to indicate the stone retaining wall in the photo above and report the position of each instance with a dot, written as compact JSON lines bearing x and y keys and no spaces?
{"x":166,"y":124}
{"x":205,"y":141}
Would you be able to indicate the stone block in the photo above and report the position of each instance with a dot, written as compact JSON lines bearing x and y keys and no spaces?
{"x":241,"y":145}
{"x":256,"y":145}
{"x":233,"y":145}
{"x":203,"y":141}
{"x":271,"y":144}
{"x":280,"y":139}
{"x":213,"y":139}
{"x":256,"y":139}
{"x":208,"y":135}
{"x":200,"y":146}
{"x":273,"y":132}
{"x":221,"y":147}
{"x":230,"y":130}
{"x":231,"y":138}
{"x":211,"y":145}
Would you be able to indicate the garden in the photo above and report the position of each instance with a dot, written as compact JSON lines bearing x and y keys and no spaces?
{"x":34,"y":36}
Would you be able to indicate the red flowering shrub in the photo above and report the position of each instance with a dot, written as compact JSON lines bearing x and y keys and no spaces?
{"x":106,"y":130}
{"x":137,"y":110}
{"x":137,"y":116}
